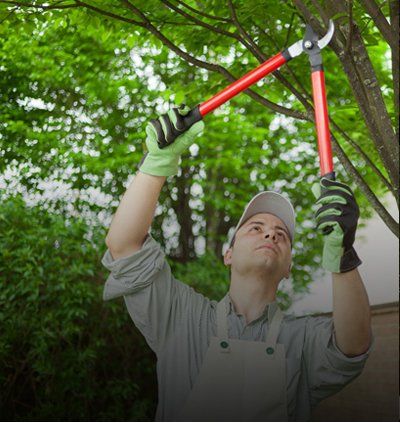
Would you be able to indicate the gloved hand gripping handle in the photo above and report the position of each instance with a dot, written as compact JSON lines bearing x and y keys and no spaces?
{"x":174,"y":129}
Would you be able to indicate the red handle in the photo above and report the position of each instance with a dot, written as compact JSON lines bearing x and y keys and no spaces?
{"x":322,"y":122}
{"x":241,"y":84}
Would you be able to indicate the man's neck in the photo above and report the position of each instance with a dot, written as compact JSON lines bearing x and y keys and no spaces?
{"x":250,"y":295}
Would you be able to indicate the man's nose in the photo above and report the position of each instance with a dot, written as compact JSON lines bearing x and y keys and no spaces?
{"x":271,"y":235}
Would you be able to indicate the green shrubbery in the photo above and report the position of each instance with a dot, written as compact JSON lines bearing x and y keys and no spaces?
{"x":64,"y":353}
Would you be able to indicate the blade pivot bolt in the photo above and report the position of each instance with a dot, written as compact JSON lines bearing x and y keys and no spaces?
{"x":308,"y":45}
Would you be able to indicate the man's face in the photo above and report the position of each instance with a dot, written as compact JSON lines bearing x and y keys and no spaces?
{"x":262,"y":246}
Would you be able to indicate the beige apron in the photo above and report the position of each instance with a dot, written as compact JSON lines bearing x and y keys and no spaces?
{"x":240,"y":380}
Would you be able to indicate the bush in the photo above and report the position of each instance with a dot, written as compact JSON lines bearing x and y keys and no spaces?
{"x":64,"y":353}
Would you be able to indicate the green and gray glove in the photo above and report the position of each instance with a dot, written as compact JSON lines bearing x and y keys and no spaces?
{"x":337,"y":219}
{"x":167,"y":138}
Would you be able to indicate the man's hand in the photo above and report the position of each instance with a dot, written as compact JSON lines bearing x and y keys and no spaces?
{"x":337,"y":219}
{"x":167,"y":138}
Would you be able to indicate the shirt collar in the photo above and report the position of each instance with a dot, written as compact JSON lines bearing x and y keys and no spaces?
{"x":268,"y":312}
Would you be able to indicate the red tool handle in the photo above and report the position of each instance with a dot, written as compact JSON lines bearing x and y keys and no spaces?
{"x":322,"y":124}
{"x":241,"y":84}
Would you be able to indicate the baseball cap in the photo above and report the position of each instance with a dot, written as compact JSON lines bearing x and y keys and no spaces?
{"x":269,"y":202}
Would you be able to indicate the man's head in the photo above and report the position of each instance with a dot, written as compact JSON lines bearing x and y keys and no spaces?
{"x":262,"y":241}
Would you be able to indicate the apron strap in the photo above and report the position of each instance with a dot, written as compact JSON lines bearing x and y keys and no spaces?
{"x":222,"y":318}
{"x":222,"y":325}
{"x":274,"y":327}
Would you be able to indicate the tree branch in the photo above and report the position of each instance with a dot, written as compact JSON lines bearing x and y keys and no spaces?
{"x":289,"y":31}
{"x":381,"y":22}
{"x":209,"y":66}
{"x":350,"y":36}
{"x":358,"y":179}
{"x":12,"y":11}
{"x":215,"y":29}
{"x":109,"y":14}
{"x":38,"y":6}
{"x":200,"y":22}
{"x":244,"y":34}
{"x":285,"y":82}
{"x":205,"y":15}
{"x":366,"y":158}
{"x":394,"y":22}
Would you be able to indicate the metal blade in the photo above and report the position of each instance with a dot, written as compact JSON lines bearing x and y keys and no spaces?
{"x":324,"y":41}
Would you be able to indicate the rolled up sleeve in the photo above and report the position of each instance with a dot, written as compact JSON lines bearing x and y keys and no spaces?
{"x":328,"y":369}
{"x":156,"y":301}
{"x":133,"y":273}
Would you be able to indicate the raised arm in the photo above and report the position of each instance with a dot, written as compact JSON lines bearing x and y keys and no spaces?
{"x":167,"y":138}
{"x":337,"y":218}
{"x":134,"y":215}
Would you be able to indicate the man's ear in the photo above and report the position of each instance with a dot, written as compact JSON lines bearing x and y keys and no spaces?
{"x":228,"y":257}
{"x":287,"y":274}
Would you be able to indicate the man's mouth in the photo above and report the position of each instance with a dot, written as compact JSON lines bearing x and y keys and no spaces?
{"x":267,"y":246}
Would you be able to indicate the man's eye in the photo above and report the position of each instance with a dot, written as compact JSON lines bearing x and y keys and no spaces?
{"x":256,"y":227}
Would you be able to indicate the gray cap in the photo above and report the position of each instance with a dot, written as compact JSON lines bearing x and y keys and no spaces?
{"x":269,"y":202}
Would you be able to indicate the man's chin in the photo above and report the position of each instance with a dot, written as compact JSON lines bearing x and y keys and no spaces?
{"x":265,"y":266}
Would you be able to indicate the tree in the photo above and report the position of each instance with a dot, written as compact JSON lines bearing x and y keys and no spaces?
{"x":359,"y":28}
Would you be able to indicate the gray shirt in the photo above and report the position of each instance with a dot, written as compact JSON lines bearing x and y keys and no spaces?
{"x":177,"y":323}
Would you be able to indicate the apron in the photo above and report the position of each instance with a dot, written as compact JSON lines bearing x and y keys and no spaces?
{"x":239,"y":380}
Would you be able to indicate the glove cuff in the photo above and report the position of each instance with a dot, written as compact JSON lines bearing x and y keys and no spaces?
{"x":349,"y":261}
{"x":160,"y":165}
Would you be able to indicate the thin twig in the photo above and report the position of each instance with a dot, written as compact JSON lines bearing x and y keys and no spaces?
{"x":381,"y":22}
{"x":109,"y":14}
{"x":210,"y":27}
{"x":205,"y":15}
{"x":359,"y":180}
{"x":242,"y":31}
{"x":289,"y":31}
{"x":199,"y":21}
{"x":362,"y":153}
{"x":12,"y":11}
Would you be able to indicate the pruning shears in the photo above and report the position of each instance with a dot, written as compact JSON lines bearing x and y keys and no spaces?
{"x":310,"y":45}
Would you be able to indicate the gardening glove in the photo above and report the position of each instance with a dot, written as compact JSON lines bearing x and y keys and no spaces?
{"x":167,"y":137}
{"x":337,"y":219}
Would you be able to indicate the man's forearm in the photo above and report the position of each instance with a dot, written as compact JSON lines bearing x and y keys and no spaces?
{"x":134,"y":215}
{"x":351,"y":313}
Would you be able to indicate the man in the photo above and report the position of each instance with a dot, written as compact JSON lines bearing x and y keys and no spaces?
{"x":238,"y":359}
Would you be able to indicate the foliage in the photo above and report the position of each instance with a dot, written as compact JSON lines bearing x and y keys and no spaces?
{"x":64,"y":354}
